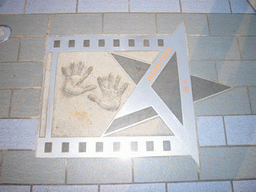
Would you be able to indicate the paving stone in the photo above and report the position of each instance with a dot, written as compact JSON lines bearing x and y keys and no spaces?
{"x":9,"y":50}
{"x":14,"y":6}
{"x":159,"y":169}
{"x":210,"y":131}
{"x":205,"y":6}
{"x":244,"y":186}
{"x":212,"y":47}
{"x":20,"y":74}
{"x":32,"y":49}
{"x":252,"y":94}
{"x":18,"y":133}
{"x":124,"y":23}
{"x":23,"y":167}
{"x":227,"y":163}
{"x":25,"y":25}
{"x":238,"y":6}
{"x":16,"y":188}
{"x":65,"y":188}
{"x":241,"y":130}
{"x":5,"y":98}
{"x":200,"y":186}
{"x":236,"y":72}
{"x":194,"y":23}
{"x":51,"y":6}
{"x":231,"y":102}
{"x":232,"y":24}
{"x":155,"y":6}
{"x":80,"y":24}
{"x":107,"y":170}
{"x":160,"y":187}
{"x":103,"y":6}
{"x":204,"y":69}
{"x":247,"y":47}
{"x":25,"y":103}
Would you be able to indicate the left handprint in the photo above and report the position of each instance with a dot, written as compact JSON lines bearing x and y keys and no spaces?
{"x":75,"y":76}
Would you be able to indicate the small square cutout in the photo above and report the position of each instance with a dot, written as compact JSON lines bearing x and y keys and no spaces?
{"x":99,"y":147}
{"x":65,"y":147}
{"x":167,"y":145}
{"x":116,"y":146}
{"x":131,"y":42}
{"x":146,"y":42}
{"x":48,"y":147}
{"x":160,"y":42}
{"x":87,"y":43}
{"x":134,"y":146}
{"x":56,"y":44}
{"x":116,"y":43}
{"x":82,"y":147}
{"x":150,"y":146}
{"x":71,"y":43}
{"x":101,"y":43}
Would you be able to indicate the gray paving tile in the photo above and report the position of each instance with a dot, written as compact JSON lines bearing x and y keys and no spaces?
{"x":25,"y":103}
{"x":81,"y":24}
{"x":18,"y":133}
{"x":194,"y":23}
{"x":103,"y":6}
{"x":212,"y":47}
{"x":5,"y":98}
{"x":244,"y":186}
{"x":124,"y":23}
{"x":14,"y":6}
{"x":238,"y":6}
{"x":155,"y":6}
{"x":247,"y":47}
{"x":228,"y":163}
{"x":25,"y":25}
{"x":232,"y":24}
{"x":100,"y":170}
{"x":204,"y":69}
{"x":159,"y":169}
{"x":23,"y":167}
{"x":200,"y":186}
{"x":51,"y":6}
{"x":16,"y":188}
{"x":206,"y":6}
{"x":210,"y":131}
{"x":252,"y":94}
{"x":241,"y":130}
{"x":236,"y":72}
{"x":20,"y":74}
{"x":65,"y":188}
{"x":231,"y":102}
{"x":9,"y":49}
{"x":159,"y":187}
{"x":32,"y":49}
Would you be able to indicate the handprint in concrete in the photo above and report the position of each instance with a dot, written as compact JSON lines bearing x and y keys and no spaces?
{"x":75,"y":76}
{"x":111,"y":93}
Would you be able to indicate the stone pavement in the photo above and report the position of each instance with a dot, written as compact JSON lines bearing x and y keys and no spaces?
{"x":221,"y":47}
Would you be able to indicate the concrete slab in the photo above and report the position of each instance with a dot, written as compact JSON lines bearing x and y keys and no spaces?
{"x":21,"y":74}
{"x":247,"y":47}
{"x":252,"y":94}
{"x":16,"y":188}
{"x":211,"y":131}
{"x":205,"y":69}
{"x":99,"y":170}
{"x":103,"y":6}
{"x":5,"y":99}
{"x":51,"y":6}
{"x":162,"y":169}
{"x":12,"y":7}
{"x":238,"y":6}
{"x":18,"y":133}
{"x":241,"y":130}
{"x":160,"y":187}
{"x":9,"y":50}
{"x":155,"y":6}
{"x":227,"y":163}
{"x":65,"y":188}
{"x":21,"y":167}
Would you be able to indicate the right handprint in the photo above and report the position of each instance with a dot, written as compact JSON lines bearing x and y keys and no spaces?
{"x":111,"y":93}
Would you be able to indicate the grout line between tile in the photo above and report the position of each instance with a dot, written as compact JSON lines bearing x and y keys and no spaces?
{"x":25,"y":7}
{"x":239,"y":48}
{"x":103,"y":15}
{"x":166,"y":187}
{"x":232,"y":186}
{"x":225,"y":131}
{"x":132,"y":164}
{"x":1,"y":165}
{"x":180,"y":6}
{"x":156,"y":23}
{"x":230,"y":6}
{"x":129,"y":6}
{"x":66,"y":171}
{"x":11,"y":101}
{"x":208,"y":23}
{"x":249,"y":98}
{"x":77,"y":6}
{"x":19,"y":49}
{"x":31,"y":188}
{"x":99,"y":188}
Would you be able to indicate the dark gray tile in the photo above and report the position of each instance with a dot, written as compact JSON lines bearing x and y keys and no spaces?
{"x":25,"y":103}
{"x":228,"y":163}
{"x":65,"y":188}
{"x":25,"y":25}
{"x":32,"y":49}
{"x":18,"y":133}
{"x":5,"y":99}
{"x":232,"y":24}
{"x":159,"y":187}
{"x":16,"y":188}
{"x":102,"y":170}
{"x":125,"y":23}
{"x":23,"y":167}
{"x":80,"y":24}
{"x":20,"y":74}
{"x":194,"y":23}
{"x":204,"y":69}
{"x":9,"y":50}
{"x":160,"y":169}
{"x":212,"y":47}
{"x":247,"y":47}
